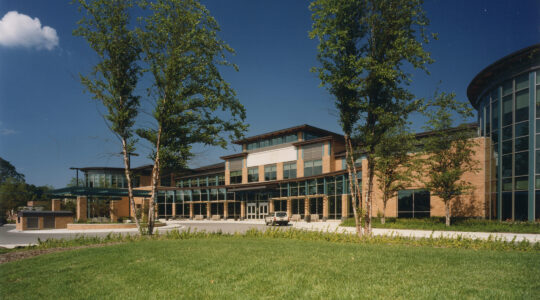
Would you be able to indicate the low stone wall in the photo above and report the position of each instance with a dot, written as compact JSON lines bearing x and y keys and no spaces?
{"x":83,"y":226}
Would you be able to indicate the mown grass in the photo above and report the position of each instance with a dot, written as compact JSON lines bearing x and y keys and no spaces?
{"x":457,"y":224}
{"x":265,"y":265}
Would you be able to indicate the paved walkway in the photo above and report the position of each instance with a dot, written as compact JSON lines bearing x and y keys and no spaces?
{"x":10,"y":237}
{"x":332,"y":226}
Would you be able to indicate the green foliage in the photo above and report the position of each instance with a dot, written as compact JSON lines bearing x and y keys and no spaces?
{"x":7,"y":170}
{"x":394,"y":162}
{"x":449,"y":150}
{"x":194,"y":104}
{"x":113,"y":79}
{"x":365,"y":49}
{"x":458,"y":224}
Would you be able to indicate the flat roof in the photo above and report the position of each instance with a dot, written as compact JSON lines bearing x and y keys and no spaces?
{"x":37,"y":213}
{"x":303,"y":127}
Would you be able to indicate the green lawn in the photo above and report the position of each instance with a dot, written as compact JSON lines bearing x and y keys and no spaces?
{"x":248,"y":268}
{"x":475,"y":225}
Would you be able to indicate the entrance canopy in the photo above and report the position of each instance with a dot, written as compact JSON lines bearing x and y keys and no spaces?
{"x":74,"y":191}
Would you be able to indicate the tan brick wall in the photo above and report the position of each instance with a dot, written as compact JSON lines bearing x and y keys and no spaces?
{"x":344,"y":205}
{"x":300,"y":167}
{"x":145,"y":181}
{"x":62,"y":221}
{"x":244,"y":174}
{"x":338,"y":164}
{"x":81,"y":208}
{"x":261,"y":173}
{"x":227,"y":173}
{"x":279,"y":171}
{"x":56,"y":204}
{"x":470,"y":205}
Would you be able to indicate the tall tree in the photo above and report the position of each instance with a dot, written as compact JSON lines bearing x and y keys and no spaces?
{"x":449,"y":151}
{"x":113,"y":80}
{"x":364,"y":46}
{"x":393,"y":164}
{"x":193,"y":103}
{"x":7,"y":170}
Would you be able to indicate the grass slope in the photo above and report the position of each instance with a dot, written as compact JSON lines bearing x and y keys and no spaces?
{"x":248,"y":268}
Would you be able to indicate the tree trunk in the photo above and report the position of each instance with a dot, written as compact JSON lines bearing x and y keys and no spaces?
{"x":349,"y":159}
{"x":356,"y":187}
{"x":447,"y":212}
{"x":367,"y":222}
{"x":383,"y":219}
{"x":127,"y":170}
{"x":155,"y":179}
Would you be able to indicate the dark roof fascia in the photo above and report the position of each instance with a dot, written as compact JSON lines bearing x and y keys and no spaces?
{"x":304,"y":127}
{"x":485,"y":77}
{"x":242,"y":154}
{"x":314,"y":141}
{"x":37,"y":213}
{"x":103,"y":192}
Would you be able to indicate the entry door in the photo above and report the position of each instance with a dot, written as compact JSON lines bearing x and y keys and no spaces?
{"x":251,"y":211}
{"x":263,"y":209}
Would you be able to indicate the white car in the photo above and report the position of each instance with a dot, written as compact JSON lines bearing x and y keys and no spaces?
{"x":278,"y":217}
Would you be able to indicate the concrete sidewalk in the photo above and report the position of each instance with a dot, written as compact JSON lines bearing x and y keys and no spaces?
{"x":333,"y":226}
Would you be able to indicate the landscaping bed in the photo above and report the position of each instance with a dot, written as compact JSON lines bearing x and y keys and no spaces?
{"x":457,"y":224}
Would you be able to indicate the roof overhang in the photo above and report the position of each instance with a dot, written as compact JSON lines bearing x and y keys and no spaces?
{"x":75,"y":191}
{"x":504,"y":68}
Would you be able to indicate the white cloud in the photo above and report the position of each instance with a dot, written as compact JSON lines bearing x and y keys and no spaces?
{"x":19,"y":30}
{"x":5,"y":131}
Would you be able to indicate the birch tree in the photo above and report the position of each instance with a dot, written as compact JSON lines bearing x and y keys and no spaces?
{"x":364,"y":46}
{"x":106,"y":27}
{"x":192,"y":102}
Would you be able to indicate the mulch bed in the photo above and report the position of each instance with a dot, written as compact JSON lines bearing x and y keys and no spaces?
{"x":22,"y":254}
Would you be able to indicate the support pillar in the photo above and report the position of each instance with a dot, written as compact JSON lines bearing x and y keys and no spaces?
{"x":306,"y":206}
{"x":174,"y":210}
{"x":113,"y":211}
{"x":243,"y":210}
{"x":344,"y":206}
{"x":271,"y":205}
{"x":325,"y":207}
{"x":208,"y":211}
{"x":289,"y":207}
{"x":225,"y":210}
{"x":191,"y":210}
{"x":55,"y":204}
{"x":82,"y":208}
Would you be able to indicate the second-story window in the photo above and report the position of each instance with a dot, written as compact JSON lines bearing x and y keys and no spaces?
{"x":236,"y":177}
{"x":253,"y":174}
{"x":312,"y":167}
{"x":289,"y":170}
{"x":269,"y":172}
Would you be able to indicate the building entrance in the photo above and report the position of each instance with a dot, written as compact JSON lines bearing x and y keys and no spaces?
{"x":256,"y":210}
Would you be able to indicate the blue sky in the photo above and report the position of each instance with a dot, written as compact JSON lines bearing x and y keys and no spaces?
{"x":48,"y":124}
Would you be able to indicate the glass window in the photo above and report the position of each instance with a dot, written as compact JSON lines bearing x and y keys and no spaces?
{"x":506,"y":206}
{"x":507,"y":133}
{"x":312,"y":167}
{"x":522,"y":106}
{"x":521,"y":163}
{"x":521,"y":205}
{"x":522,"y":129}
{"x":289,"y":170}
{"x":507,"y":110}
{"x":522,"y":183}
{"x":413,"y":204}
{"x":522,"y":82}
{"x":495,"y":115}
{"x":270,"y":172}
{"x":507,"y":184}
{"x":507,"y":166}
{"x":253,"y":174}
{"x":522,"y":144}
{"x":507,"y":88}
{"x":236,"y":177}
{"x":507,"y":147}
